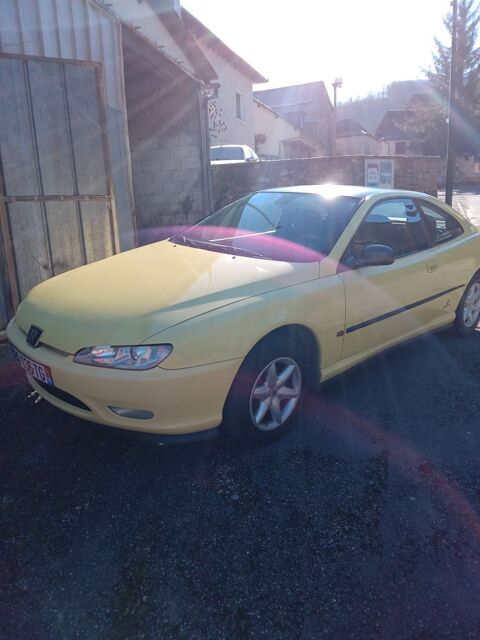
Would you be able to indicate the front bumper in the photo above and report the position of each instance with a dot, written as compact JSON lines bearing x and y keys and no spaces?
{"x":182,"y":400}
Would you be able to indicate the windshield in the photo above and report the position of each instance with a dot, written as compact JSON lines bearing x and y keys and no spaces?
{"x":294,"y":227}
{"x":226,"y":153}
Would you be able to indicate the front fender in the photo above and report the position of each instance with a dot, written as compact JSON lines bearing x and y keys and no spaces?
{"x":230,"y":332}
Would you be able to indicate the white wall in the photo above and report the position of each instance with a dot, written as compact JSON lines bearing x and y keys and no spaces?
{"x":353,"y":145}
{"x":231,"y":81}
{"x":143,"y":16}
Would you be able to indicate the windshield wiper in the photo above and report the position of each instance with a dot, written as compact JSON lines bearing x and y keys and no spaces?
{"x":205,"y":244}
{"x":246,"y":235}
{"x":241,"y":252}
{"x":187,"y":241}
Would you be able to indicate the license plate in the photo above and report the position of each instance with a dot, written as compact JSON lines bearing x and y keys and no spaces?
{"x":35,"y":369}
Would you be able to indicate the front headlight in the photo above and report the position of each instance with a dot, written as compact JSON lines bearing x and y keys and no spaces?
{"x":134,"y":358}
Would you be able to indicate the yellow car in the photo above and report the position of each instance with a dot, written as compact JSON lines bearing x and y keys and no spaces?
{"x":229,"y":321}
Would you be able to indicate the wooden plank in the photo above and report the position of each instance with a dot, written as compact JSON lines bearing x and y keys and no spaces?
{"x":29,"y":243}
{"x":6,"y":267}
{"x":48,"y":104}
{"x":116,"y":150}
{"x":86,"y":128}
{"x":8,"y":263}
{"x":66,"y":243}
{"x":53,"y":198}
{"x":97,"y":230}
{"x":16,"y":141}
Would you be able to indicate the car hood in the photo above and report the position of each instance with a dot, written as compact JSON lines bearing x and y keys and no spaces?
{"x":130,"y":297}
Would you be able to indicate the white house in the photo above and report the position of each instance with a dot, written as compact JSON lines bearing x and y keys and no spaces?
{"x":231,"y":112}
{"x":278,"y":138}
{"x":353,"y":139}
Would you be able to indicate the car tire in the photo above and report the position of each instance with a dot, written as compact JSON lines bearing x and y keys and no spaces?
{"x":255,"y":383}
{"x":468,"y":310}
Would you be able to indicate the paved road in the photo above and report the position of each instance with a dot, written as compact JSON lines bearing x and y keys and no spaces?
{"x":467,"y":200}
{"x":361,"y":523}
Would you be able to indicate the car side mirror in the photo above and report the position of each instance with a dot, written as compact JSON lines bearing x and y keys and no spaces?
{"x":377,"y":255}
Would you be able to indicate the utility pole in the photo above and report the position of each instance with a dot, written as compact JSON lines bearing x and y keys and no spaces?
{"x":452,"y":94}
{"x":336,"y":85}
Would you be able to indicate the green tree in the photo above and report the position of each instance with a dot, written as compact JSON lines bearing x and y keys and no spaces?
{"x":428,"y":121}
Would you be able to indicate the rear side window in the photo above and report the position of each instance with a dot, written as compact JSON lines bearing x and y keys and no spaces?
{"x":443,"y":226}
{"x":226,"y":153}
{"x":397,"y":223}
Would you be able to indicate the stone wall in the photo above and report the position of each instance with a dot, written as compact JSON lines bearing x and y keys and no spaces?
{"x":416,"y":173}
{"x":167,"y":179}
{"x":168,"y":156}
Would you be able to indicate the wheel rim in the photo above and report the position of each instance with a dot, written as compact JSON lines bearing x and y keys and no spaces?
{"x":275,"y":394}
{"x":471,"y":306}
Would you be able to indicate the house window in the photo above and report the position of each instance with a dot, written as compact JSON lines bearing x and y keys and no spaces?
{"x":238,"y":97}
{"x":400,"y":148}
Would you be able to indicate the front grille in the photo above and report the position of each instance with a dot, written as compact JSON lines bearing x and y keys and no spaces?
{"x":63,"y":396}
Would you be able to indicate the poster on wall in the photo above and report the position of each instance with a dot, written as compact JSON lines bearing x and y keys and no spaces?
{"x":379,"y":173}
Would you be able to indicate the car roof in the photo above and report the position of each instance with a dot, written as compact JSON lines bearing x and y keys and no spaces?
{"x":335,"y":190}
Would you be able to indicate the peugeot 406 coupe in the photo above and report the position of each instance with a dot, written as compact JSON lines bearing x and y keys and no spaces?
{"x":229,"y":321}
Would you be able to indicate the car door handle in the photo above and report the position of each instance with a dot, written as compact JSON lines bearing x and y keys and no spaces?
{"x":432,"y":267}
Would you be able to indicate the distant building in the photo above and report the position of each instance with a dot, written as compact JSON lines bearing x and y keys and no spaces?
{"x":307,"y":107}
{"x":369,"y":111}
{"x":276,"y":138}
{"x":352,"y":139}
{"x":395,"y":138}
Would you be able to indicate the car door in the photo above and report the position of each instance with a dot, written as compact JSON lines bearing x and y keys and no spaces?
{"x":386,"y":303}
{"x":453,"y":256}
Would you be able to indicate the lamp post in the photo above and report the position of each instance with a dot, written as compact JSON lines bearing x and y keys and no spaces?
{"x":452,"y":108}
{"x":336,"y":84}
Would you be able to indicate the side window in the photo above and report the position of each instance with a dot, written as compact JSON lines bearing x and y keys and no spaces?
{"x":397,"y":223}
{"x":444,"y":227}
{"x":239,"y":105}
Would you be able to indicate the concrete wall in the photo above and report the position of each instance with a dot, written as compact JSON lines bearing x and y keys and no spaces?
{"x":233,"y":181}
{"x":467,"y":170}
{"x":166,"y":150}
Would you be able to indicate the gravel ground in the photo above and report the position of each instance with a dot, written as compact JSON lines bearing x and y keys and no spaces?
{"x":361,"y":523}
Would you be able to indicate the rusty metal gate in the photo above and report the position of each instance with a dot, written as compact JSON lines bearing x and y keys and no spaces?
{"x":56,"y":199}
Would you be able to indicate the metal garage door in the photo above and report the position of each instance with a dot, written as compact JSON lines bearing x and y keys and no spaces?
{"x":56,"y":200}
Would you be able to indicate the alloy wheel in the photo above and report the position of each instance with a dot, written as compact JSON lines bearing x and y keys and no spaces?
{"x":471,"y":306}
{"x":275,"y":394}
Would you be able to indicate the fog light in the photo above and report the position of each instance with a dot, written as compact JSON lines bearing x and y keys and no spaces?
{"x":139,"y":414}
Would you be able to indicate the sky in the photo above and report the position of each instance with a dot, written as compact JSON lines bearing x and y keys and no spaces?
{"x":368,"y":43}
